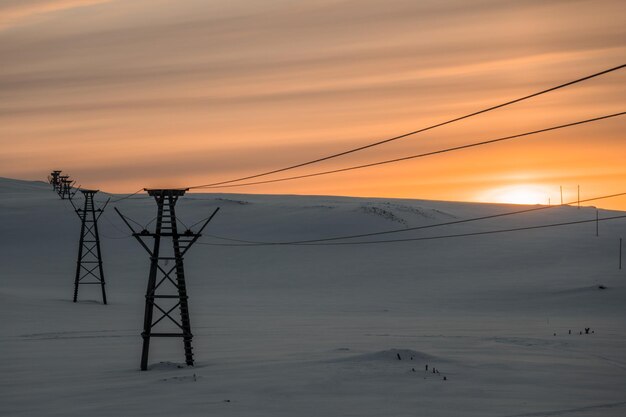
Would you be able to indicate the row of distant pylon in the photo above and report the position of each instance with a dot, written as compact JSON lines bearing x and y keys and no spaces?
{"x":62,"y":184}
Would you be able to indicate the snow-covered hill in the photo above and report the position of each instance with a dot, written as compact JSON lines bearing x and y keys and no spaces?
{"x":318,"y":330}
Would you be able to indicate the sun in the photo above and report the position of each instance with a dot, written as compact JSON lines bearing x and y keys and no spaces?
{"x":518,"y":194}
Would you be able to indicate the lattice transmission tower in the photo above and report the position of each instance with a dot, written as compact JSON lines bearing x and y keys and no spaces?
{"x":167,"y":288}
{"x":89,"y":269}
{"x":53,"y":178}
{"x":65,"y":187}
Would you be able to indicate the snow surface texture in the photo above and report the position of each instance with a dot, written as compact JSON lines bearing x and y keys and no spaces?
{"x":317,"y":330}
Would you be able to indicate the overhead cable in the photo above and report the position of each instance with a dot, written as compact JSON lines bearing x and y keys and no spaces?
{"x":422,"y":155}
{"x":480,"y":233}
{"x":421,"y":130}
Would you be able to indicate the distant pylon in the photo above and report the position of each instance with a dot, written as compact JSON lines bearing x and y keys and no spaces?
{"x":89,"y":264}
{"x":65,"y":189}
{"x":54,"y":179}
{"x":165,"y":292}
{"x":61,"y":179}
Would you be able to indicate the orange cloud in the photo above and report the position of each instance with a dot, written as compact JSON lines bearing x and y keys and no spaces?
{"x":14,"y":12}
{"x":159,"y":92}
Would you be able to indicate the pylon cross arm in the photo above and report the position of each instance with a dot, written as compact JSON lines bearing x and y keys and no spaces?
{"x":138,"y":236}
{"x":101,"y":211}
{"x":134,"y":233}
{"x":197,"y":235}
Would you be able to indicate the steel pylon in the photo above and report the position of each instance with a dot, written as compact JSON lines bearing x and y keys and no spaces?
{"x":89,"y":263}
{"x":53,"y":178}
{"x":65,"y":187}
{"x":167,"y":288}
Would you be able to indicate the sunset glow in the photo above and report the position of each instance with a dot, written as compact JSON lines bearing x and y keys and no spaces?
{"x":519,"y":194}
{"x":122,"y":95}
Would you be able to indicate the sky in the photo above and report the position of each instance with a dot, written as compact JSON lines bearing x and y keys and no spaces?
{"x":151,"y":93}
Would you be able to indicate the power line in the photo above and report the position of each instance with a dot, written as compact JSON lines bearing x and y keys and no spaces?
{"x":127,"y":196}
{"x":114,"y":237}
{"x":455,"y":148}
{"x":134,"y":221}
{"x":429,"y":226}
{"x":199,"y":221}
{"x":378,"y":143}
{"x":125,"y":235}
{"x":517,"y":229}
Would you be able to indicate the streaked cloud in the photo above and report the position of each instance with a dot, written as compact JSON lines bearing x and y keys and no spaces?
{"x":14,"y":12}
{"x":206,"y":89}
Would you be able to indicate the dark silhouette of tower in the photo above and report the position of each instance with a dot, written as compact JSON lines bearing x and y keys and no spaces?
{"x":54,"y":179}
{"x":89,"y":264}
{"x":65,"y":188}
{"x":167,"y":289}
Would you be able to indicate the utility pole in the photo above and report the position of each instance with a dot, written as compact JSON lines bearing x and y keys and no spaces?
{"x":579,"y":197}
{"x":561,"y":187}
{"x":89,"y":264}
{"x":167,"y":289}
